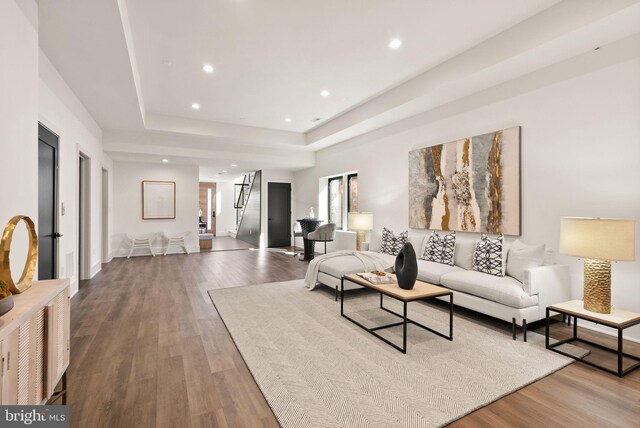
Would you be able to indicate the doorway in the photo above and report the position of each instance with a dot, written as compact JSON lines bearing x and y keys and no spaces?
{"x":279,"y":214}
{"x":47,"y":203}
{"x":84,"y":216}
{"x":207,"y":202}
{"x":105,"y":216}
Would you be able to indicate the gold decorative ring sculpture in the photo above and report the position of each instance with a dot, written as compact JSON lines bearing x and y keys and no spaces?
{"x":32,"y":256}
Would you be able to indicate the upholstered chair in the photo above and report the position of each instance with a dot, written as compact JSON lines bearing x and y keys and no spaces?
{"x":325,"y":233}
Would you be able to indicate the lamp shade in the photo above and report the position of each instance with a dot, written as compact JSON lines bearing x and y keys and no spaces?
{"x":598,"y":238}
{"x":360,"y":221}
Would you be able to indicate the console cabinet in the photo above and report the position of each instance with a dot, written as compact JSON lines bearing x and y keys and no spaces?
{"x":34,"y":343}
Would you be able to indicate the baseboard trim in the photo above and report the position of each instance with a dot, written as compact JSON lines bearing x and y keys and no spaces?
{"x":95,"y":269}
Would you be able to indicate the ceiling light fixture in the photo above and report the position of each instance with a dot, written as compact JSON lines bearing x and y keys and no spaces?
{"x":287,"y":119}
{"x":195,"y":106}
{"x":224,"y":170}
{"x":165,"y":160}
{"x":234,"y":165}
{"x":395,"y":43}
{"x":325,"y":93}
{"x":208,"y":68}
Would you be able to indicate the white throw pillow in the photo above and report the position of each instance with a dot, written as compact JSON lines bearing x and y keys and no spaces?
{"x":463,"y":253}
{"x":522,"y":256}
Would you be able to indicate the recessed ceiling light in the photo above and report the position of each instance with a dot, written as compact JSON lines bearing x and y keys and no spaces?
{"x":325,"y":93}
{"x":234,"y":165}
{"x":195,"y":106}
{"x":165,"y":160}
{"x":208,"y":68}
{"x":287,"y":119}
{"x":224,"y":170}
{"x":395,"y":43}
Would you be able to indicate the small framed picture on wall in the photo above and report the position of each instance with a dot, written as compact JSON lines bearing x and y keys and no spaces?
{"x":158,"y":200}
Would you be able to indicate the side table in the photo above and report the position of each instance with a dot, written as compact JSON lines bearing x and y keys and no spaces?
{"x":618,"y":319}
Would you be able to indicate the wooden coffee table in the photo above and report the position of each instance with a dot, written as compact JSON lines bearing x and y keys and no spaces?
{"x":420,"y":291}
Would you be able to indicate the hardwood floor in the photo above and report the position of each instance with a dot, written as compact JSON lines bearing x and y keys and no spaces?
{"x":148,"y":349}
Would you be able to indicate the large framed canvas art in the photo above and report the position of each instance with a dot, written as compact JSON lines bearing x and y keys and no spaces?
{"x":469,"y":185}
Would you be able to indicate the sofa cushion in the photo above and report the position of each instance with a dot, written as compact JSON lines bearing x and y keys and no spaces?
{"x":417,"y":241}
{"x":339,"y":266}
{"x":463,"y":253}
{"x":432,"y":272}
{"x":522,"y":256}
{"x":505,"y":290}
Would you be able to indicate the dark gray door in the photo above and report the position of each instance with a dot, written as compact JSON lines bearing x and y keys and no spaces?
{"x":279,"y":215}
{"x":47,"y":190}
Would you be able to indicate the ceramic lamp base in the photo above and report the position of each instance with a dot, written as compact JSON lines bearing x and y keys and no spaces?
{"x":597,"y":286}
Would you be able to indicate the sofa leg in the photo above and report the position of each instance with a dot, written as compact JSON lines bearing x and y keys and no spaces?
{"x":513,"y":327}
{"x":336,"y":293}
{"x":524,"y":329}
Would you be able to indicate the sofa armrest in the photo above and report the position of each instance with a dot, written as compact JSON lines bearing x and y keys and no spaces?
{"x":541,"y":278}
{"x":551,"y":283}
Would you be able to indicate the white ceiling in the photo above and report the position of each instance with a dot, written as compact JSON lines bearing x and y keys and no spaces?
{"x":272,"y":59}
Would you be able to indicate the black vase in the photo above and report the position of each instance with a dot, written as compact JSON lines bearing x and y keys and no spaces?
{"x":407,"y":267}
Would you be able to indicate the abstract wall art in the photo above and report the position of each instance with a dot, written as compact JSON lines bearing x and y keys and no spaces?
{"x":469,"y":185}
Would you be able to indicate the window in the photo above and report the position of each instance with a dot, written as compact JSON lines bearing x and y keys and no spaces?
{"x":352,"y":196}
{"x":336,"y":195}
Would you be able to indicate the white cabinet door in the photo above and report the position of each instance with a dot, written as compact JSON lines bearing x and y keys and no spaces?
{"x":58,"y":339}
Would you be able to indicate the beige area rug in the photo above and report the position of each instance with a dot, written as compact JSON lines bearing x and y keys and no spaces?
{"x":317,"y":369}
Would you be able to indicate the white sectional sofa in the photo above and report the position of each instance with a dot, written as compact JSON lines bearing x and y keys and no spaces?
{"x":506,"y":298}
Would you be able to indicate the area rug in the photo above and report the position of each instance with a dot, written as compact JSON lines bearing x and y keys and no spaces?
{"x":316,"y":368}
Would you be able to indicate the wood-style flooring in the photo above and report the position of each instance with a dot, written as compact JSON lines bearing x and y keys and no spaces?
{"x":149,"y":349}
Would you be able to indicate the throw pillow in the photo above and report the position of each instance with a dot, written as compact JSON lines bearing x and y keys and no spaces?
{"x":487,"y":257}
{"x":392,"y":244}
{"x":521,"y":257}
{"x":463,"y":256}
{"x":440,"y":249}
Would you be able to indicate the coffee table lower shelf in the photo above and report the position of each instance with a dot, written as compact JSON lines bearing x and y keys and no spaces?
{"x":405,"y":319}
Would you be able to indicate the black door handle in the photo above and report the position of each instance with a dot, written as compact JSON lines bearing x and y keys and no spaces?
{"x":56,"y":235}
{"x":269,"y":219}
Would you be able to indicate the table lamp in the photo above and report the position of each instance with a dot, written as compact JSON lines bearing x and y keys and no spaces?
{"x":360,"y":222}
{"x":599,"y":241}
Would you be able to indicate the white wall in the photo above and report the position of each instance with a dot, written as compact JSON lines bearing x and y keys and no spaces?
{"x":580,"y":157}
{"x":127,"y":203}
{"x":61,"y":112}
{"x":18,"y":120}
{"x":33,"y":91}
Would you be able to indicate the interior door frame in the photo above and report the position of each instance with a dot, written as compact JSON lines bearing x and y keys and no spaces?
{"x":84,"y":215}
{"x":291,"y":210}
{"x":106,"y":258}
{"x":56,"y":194}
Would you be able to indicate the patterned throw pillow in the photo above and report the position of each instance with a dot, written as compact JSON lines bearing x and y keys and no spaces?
{"x":440,"y":249}
{"x":487,"y":257}
{"x":392,"y":244}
